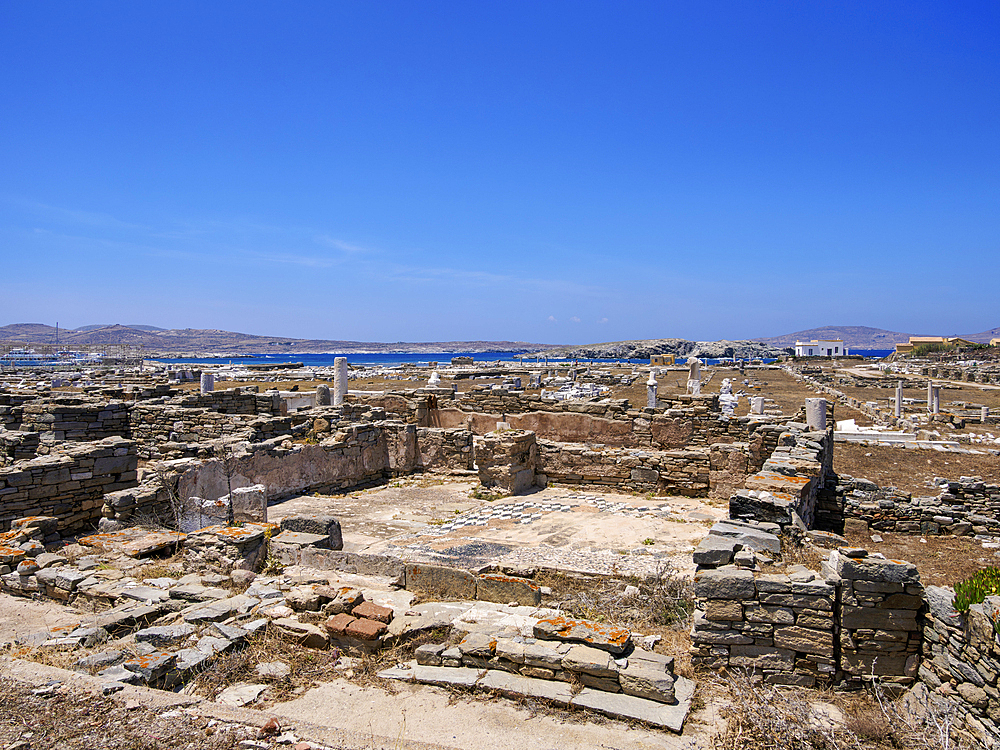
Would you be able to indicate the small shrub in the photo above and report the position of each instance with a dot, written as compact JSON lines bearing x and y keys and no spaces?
{"x":976,"y":588}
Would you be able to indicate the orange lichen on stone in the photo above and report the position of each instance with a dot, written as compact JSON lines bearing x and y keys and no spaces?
{"x":509,"y":579}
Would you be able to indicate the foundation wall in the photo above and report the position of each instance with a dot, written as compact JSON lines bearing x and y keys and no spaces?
{"x":70,"y":485}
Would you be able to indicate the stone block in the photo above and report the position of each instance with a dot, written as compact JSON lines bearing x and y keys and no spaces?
{"x":654,"y":685}
{"x":338,"y":623}
{"x":372,"y":611}
{"x":716,"y":550}
{"x":590,"y":661}
{"x":723,"y":610}
{"x":316,"y":523}
{"x":365,"y":630}
{"x":804,"y":640}
{"x":604,"y":637}
{"x":725,"y":583}
{"x":441,"y":582}
{"x":505,"y":589}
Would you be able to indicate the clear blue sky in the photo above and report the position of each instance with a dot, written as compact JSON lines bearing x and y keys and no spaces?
{"x":561,"y":172}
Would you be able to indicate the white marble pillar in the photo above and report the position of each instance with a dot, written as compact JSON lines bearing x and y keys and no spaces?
{"x":339,"y":380}
{"x":816,"y":413}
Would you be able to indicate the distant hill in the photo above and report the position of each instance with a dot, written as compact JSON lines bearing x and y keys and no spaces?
{"x":855,"y":337}
{"x":127,"y":325}
{"x":645,"y":348}
{"x":195,"y":341}
{"x":863,"y":337}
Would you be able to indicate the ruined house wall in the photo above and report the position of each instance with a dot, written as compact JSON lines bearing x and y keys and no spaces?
{"x":17,"y":446}
{"x":444,"y":450}
{"x":360,"y":457}
{"x":74,"y":419}
{"x":961,"y":651}
{"x":69,"y":485}
{"x":963,"y":508}
{"x":681,"y":472}
{"x":858,"y":619}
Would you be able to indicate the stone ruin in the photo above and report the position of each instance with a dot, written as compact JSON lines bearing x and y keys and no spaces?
{"x":84,"y":468}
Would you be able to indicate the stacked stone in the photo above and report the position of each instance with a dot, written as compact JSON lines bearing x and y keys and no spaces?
{"x":69,"y":486}
{"x":444,"y":450}
{"x":564,"y":650}
{"x":961,"y":661}
{"x":683,"y":472}
{"x":75,"y":419}
{"x":966,"y":507}
{"x":17,"y":446}
{"x":507,"y":459}
{"x":782,"y":627}
{"x":880,"y":601}
{"x":229,"y":548}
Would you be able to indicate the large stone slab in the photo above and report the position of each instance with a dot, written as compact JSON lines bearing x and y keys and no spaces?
{"x":316,"y":523}
{"x":440,"y":581}
{"x":651,"y":684}
{"x":875,"y":569}
{"x":505,"y":589}
{"x":760,"y":541}
{"x":658,"y":714}
{"x":725,"y":583}
{"x":457,"y":676}
{"x":604,"y":637}
{"x":515,"y":684}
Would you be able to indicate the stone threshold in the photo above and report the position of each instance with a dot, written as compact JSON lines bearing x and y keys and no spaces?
{"x":615,"y":705}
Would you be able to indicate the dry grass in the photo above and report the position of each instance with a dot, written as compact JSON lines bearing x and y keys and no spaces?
{"x":78,"y":720}
{"x":910,"y":470}
{"x":765,"y":717}
{"x":663,"y":606}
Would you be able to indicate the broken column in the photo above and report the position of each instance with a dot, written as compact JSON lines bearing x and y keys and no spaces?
{"x":936,"y":406}
{"x":651,"y":392}
{"x":339,"y":380}
{"x":694,"y":376}
{"x":207,"y":382}
{"x":757,"y":405}
{"x":930,"y":396}
{"x":899,"y":399}
{"x":816,"y":413}
{"x":434,"y":381}
{"x":322,"y":395}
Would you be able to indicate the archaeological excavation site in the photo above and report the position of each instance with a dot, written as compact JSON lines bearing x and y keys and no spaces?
{"x":468,"y":561}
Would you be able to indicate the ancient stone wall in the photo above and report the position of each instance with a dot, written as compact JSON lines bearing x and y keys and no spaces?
{"x":681,"y":472}
{"x":858,"y":619}
{"x":75,"y":419}
{"x":508,"y":460}
{"x":357,"y":456}
{"x":69,"y":485}
{"x":961,"y":662}
{"x":962,"y":508}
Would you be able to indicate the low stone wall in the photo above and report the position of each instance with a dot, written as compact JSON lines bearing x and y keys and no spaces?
{"x":75,"y":419}
{"x":233,"y":401}
{"x":444,"y":450}
{"x":682,"y":472}
{"x":162,"y":429}
{"x":856,"y":620}
{"x":70,"y":485}
{"x":961,"y":662}
{"x":962,"y":508}
{"x":358,"y":456}
{"x":781,"y":626}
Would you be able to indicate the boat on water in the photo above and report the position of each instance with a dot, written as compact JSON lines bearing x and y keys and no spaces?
{"x":24,"y":356}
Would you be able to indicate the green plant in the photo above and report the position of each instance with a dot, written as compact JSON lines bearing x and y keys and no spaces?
{"x":976,"y":588}
{"x":647,"y":541}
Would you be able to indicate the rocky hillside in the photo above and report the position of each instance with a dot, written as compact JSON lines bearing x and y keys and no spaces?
{"x":191,"y":341}
{"x":678,"y":347}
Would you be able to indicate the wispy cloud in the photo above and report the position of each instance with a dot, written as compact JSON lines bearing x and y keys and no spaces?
{"x":347,"y":247}
{"x":552,"y":319}
{"x":574,"y":319}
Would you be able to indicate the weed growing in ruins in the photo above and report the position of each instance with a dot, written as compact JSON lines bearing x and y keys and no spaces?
{"x":976,"y":588}
{"x":483,"y":493}
{"x":774,"y":718}
{"x":648,"y":541}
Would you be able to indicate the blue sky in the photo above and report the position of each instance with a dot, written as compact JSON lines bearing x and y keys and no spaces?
{"x":563,"y":172}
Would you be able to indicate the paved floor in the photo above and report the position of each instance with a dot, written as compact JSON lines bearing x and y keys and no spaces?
{"x":427,"y":519}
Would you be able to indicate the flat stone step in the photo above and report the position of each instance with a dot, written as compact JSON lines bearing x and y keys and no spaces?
{"x":666,"y":715}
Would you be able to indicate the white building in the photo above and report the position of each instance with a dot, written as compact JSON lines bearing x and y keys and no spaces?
{"x":821,"y":348}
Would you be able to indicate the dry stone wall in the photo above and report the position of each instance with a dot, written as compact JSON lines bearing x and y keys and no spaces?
{"x":962,"y":508}
{"x":961,"y":662}
{"x":70,"y":485}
